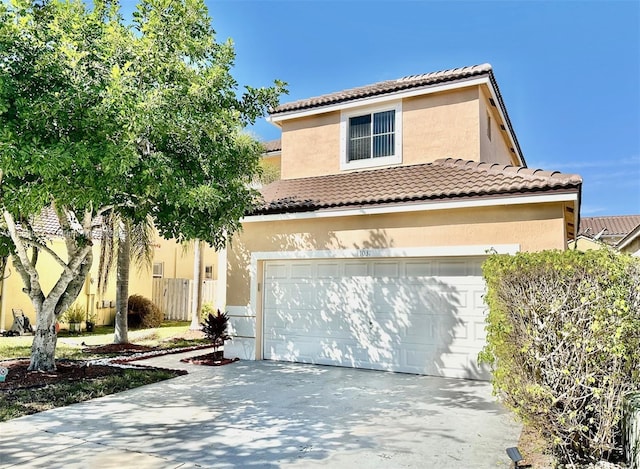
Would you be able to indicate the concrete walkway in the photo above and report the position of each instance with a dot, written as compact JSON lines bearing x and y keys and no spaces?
{"x":270,"y":415}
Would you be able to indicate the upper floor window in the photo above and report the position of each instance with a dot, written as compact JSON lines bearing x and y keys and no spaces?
{"x":371,"y":137}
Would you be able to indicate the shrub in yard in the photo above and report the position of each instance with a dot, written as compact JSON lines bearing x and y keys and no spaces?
{"x":206,"y":310}
{"x":75,"y":314}
{"x":562,"y":337}
{"x":143,"y":312}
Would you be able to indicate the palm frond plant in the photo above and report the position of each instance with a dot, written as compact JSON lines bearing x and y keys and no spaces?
{"x":215,"y":327}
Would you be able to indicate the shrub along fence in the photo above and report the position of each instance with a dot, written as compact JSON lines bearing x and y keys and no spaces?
{"x":563,"y":340}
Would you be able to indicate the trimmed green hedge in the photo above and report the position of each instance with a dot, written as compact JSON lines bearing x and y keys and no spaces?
{"x":564,"y":343}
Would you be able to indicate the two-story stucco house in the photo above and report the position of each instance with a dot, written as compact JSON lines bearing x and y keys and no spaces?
{"x":367,"y":252}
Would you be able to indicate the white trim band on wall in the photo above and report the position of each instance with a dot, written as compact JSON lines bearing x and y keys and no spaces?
{"x":568,"y":197}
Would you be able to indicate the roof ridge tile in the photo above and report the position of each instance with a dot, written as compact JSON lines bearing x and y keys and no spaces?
{"x":383,"y":87}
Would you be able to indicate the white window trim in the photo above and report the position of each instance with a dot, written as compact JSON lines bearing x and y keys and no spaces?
{"x":396,"y":158}
{"x":160,"y":266}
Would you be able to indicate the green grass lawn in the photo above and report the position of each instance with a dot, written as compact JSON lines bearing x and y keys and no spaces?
{"x":70,"y":344}
{"x":19,"y":402}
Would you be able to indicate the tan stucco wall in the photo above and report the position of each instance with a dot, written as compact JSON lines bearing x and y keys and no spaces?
{"x":434,"y":126}
{"x":534,"y":228}
{"x":498,"y":149}
{"x":441,"y":125}
{"x":311,"y":146}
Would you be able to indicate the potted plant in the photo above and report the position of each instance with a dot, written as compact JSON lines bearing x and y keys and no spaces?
{"x":91,"y":321}
{"x":215,"y":327}
{"x":74,"y":316}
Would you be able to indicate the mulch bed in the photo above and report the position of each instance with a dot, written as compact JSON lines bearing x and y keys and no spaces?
{"x":210,"y":359}
{"x":75,"y":370}
{"x":117,"y":348}
{"x":67,"y":371}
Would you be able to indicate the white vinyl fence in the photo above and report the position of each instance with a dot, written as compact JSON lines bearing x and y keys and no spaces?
{"x":174,"y":296}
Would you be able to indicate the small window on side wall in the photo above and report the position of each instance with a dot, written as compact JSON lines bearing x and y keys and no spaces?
{"x":208,"y":272}
{"x":489,"y":126}
{"x":158,"y":269}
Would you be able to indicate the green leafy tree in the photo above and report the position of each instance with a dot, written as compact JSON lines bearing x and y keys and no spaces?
{"x":99,"y":117}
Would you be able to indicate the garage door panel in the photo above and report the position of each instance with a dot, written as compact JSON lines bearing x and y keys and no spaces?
{"x":356,"y":269}
{"x":410,"y":315}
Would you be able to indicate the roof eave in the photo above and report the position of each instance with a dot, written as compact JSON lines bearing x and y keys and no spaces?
{"x":566,"y":194}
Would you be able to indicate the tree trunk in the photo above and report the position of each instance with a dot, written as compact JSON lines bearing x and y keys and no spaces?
{"x":197,"y":286}
{"x":64,"y":292}
{"x":122,"y":285}
{"x":43,"y":348}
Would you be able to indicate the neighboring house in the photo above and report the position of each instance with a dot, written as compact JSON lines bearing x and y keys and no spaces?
{"x":586,"y":243}
{"x":367,"y":252}
{"x":608,"y":229}
{"x":170,"y":261}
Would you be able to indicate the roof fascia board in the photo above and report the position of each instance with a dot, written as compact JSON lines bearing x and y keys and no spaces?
{"x":360,"y":102}
{"x":547,"y":198}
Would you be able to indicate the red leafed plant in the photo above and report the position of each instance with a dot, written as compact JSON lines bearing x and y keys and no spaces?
{"x":215,"y":328}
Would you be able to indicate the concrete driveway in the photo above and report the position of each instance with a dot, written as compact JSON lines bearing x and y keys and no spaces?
{"x":271,"y":415}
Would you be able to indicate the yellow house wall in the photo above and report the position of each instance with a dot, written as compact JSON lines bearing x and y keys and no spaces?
{"x":434,"y":126}
{"x":273,"y":161}
{"x":178,"y":264}
{"x":633,"y":248}
{"x":49,"y":271}
{"x":534,"y":228}
{"x":178,"y":259}
{"x":497,"y":149}
{"x":272,"y":168}
{"x":585,"y":244}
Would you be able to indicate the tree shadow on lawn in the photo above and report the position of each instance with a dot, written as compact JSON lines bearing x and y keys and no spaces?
{"x":266,"y":414}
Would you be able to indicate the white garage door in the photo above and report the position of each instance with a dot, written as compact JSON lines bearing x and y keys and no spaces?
{"x":423,"y":316}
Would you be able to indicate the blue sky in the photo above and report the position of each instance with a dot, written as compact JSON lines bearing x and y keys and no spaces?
{"x":569,"y":72}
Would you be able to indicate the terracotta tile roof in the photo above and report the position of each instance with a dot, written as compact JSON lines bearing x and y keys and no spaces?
{"x":272,"y":145}
{"x":615,"y":226}
{"x":386,"y":87}
{"x":412,"y":82}
{"x":47,"y":224}
{"x":444,"y":179}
